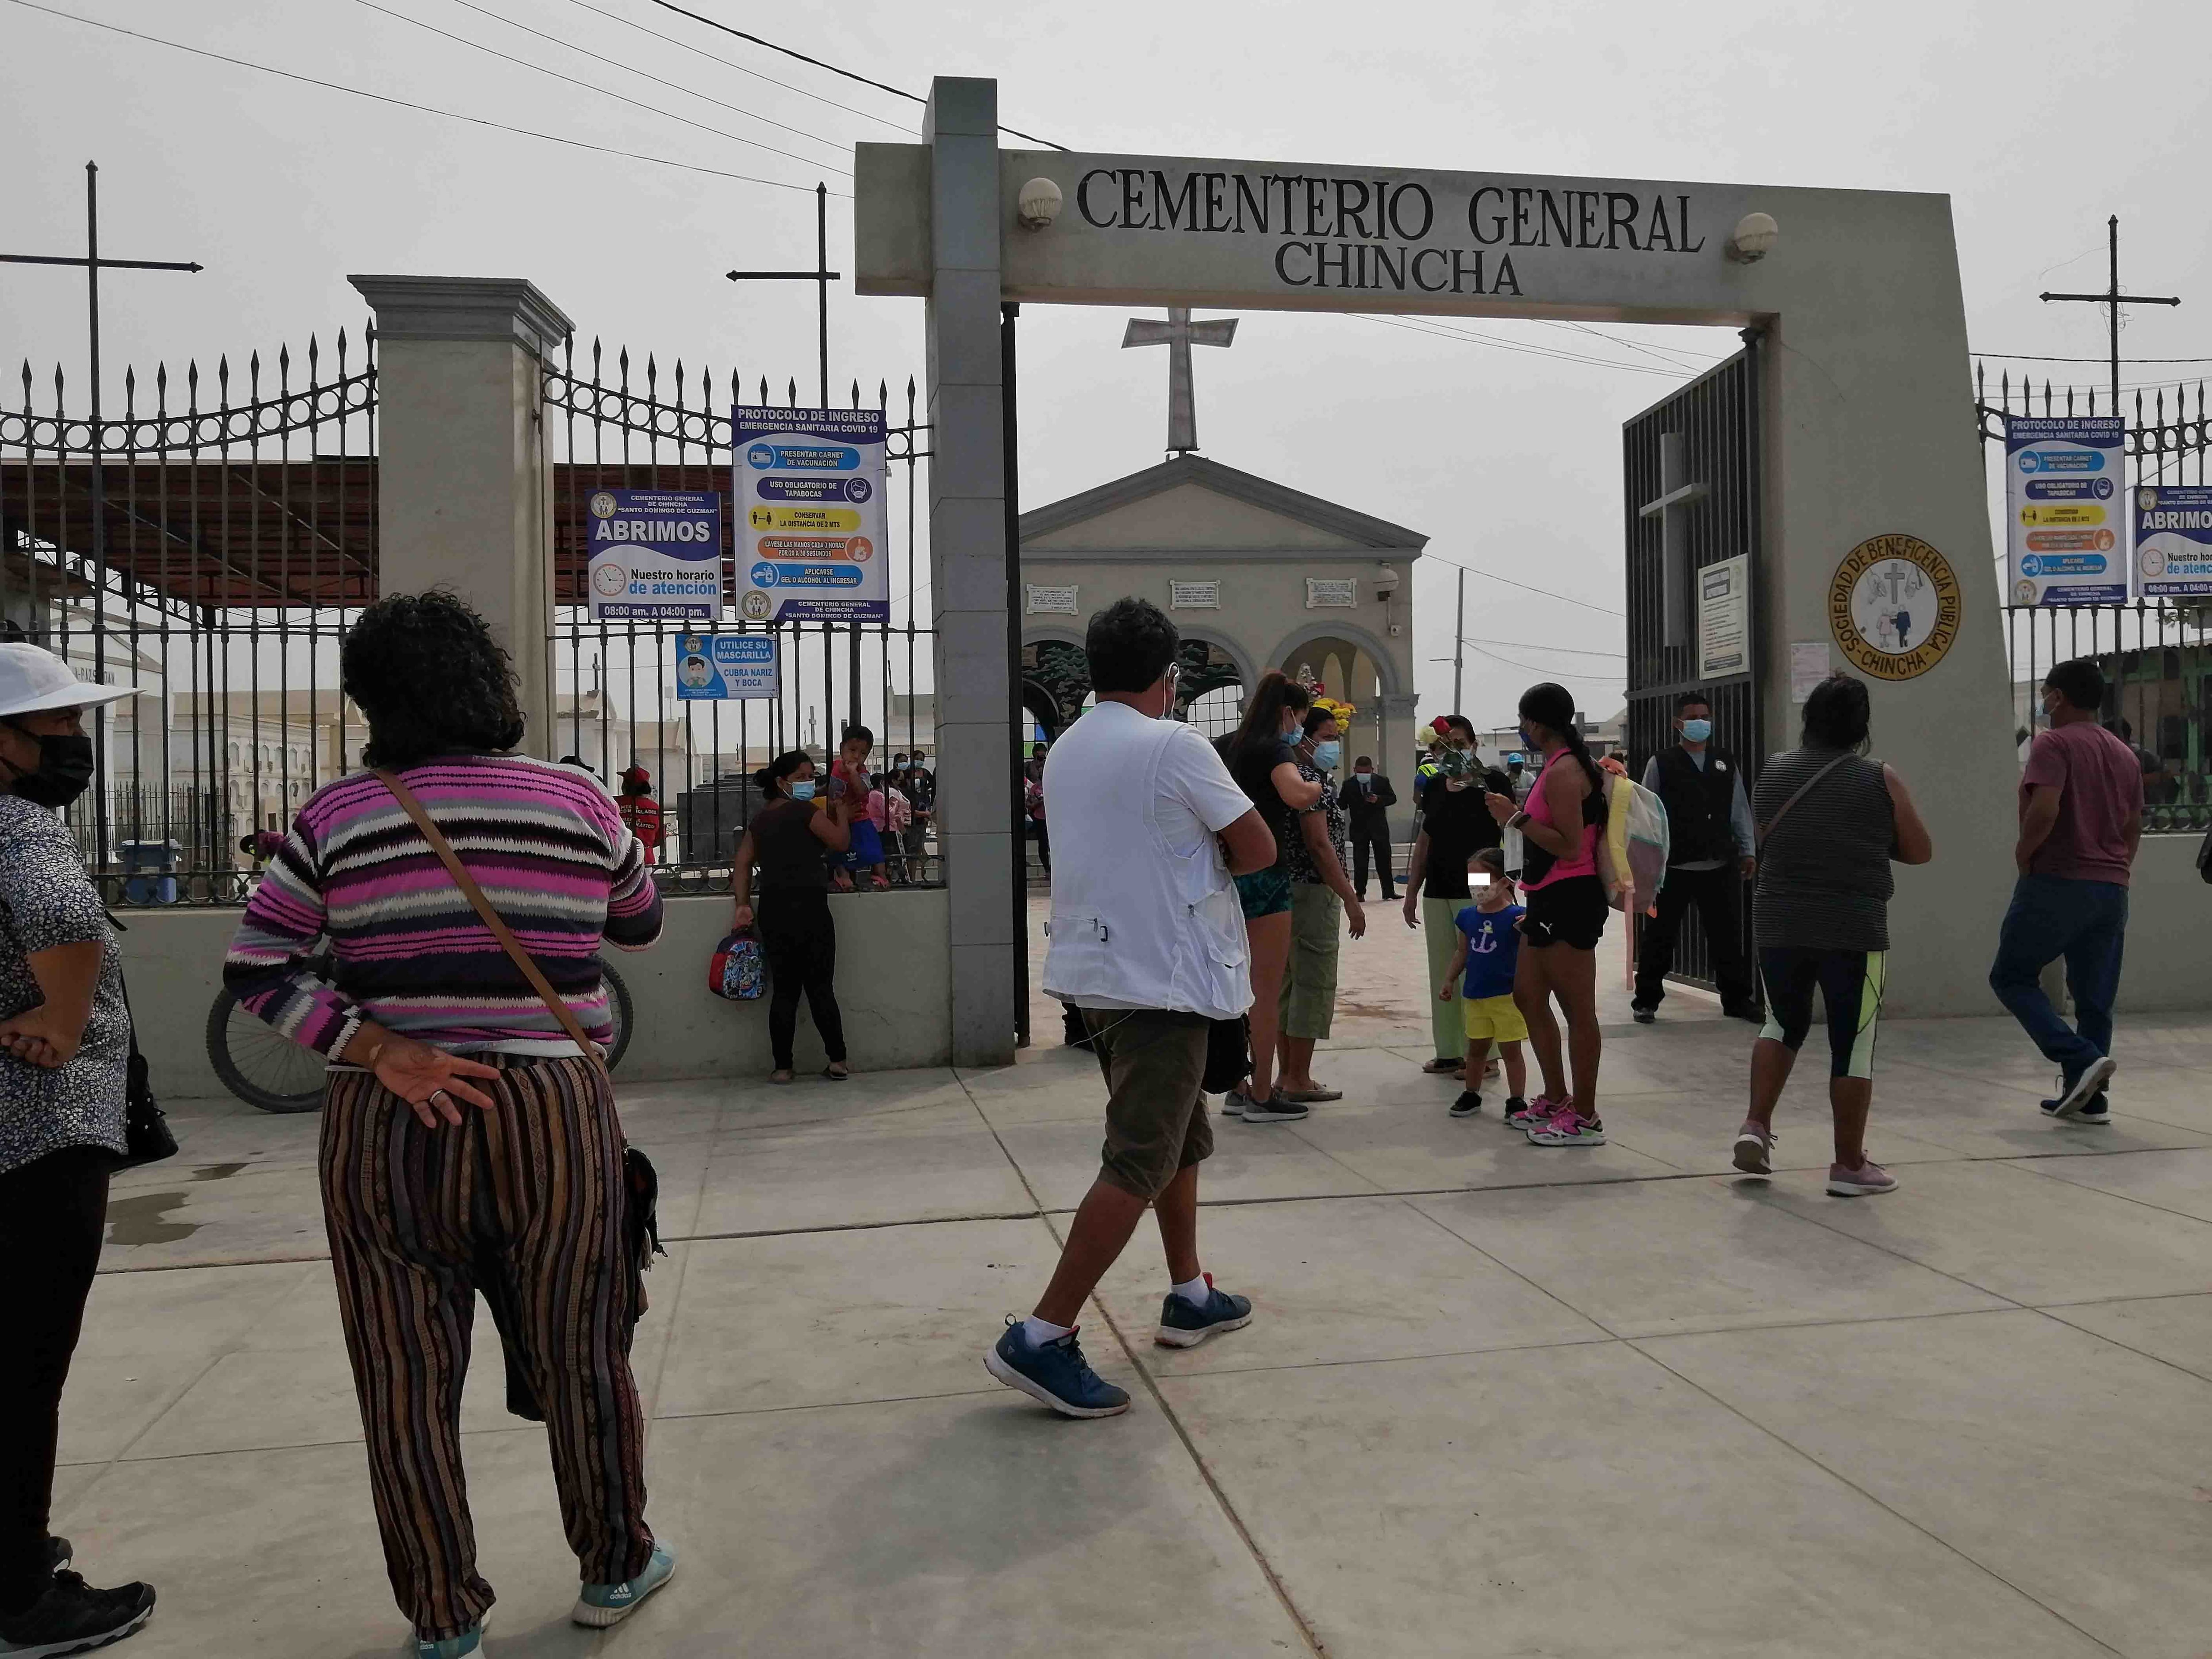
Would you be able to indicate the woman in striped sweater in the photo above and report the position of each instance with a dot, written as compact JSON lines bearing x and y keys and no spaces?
{"x":463,"y":1132}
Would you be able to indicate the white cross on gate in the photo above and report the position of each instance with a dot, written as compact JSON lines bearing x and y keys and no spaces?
{"x":1179,"y":334}
{"x":1676,"y":494}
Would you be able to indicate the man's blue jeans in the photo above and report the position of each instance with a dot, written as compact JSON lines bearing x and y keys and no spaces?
{"x":2085,"y":922}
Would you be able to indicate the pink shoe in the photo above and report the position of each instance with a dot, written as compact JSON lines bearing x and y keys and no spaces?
{"x":1754,"y":1149}
{"x":1867,"y":1181}
{"x":1568,"y":1128}
{"x":1540,"y":1111}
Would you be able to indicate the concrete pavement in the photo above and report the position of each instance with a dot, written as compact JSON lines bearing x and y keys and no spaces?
{"x":1499,"y":1400}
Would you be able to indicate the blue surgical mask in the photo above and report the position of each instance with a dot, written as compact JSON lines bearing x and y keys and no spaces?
{"x":1697,"y":731}
{"x":804,"y":791}
{"x":1528,"y":742}
{"x":1327,"y":755}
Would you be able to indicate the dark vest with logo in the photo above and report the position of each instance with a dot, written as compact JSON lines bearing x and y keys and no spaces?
{"x":1697,"y":801}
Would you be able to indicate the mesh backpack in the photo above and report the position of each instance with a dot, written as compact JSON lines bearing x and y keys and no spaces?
{"x":1632,"y":853}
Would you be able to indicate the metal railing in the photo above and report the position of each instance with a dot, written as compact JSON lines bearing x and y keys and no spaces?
{"x":610,"y":426}
{"x":2156,"y":655}
{"x":204,"y":547}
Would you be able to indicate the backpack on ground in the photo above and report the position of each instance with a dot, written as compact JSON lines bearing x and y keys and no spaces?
{"x":1632,"y":853}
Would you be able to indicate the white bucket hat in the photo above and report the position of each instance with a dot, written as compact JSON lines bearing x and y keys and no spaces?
{"x":33,"y":680}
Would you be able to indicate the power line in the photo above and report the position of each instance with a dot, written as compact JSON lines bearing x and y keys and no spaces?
{"x":605,"y":92}
{"x":1660,"y":352}
{"x":1511,"y":662}
{"x":700,"y":51}
{"x":601,"y":58}
{"x":2023,"y":357}
{"x":402,"y":103}
{"x":880,"y":85}
{"x":1532,"y":645}
{"x":1444,"y":333}
{"x":1472,"y":570}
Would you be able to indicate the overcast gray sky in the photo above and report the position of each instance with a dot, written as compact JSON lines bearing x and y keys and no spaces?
{"x":2038,"y":119}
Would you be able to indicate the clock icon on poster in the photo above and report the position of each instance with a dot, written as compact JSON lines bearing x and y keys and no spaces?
{"x":609,"y":581}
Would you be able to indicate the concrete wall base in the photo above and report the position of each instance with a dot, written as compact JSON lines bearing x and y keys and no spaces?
{"x":891,"y":949}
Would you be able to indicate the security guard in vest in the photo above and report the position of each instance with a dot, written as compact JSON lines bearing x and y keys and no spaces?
{"x":1710,"y":858}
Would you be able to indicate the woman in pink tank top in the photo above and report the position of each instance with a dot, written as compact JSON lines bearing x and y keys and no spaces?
{"x":1566,"y":918}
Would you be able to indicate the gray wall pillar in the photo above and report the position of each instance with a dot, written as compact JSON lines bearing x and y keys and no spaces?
{"x":464,"y":494}
{"x":1397,"y":760}
{"x":968,"y":566}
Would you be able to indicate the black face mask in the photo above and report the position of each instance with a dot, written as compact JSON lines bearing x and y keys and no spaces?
{"x":64,"y":772}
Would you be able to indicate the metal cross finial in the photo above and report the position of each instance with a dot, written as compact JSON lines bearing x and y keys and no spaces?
{"x":1179,"y":334}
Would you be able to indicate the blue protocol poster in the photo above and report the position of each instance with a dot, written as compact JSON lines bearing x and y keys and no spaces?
{"x":2173,"y":540}
{"x":808,"y":489}
{"x":654,"y":554}
{"x":2065,"y":507}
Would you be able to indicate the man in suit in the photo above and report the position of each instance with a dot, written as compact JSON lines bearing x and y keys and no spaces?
{"x":1709,"y":859}
{"x":1363,"y":796}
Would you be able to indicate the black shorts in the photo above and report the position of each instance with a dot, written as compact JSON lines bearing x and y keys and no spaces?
{"x":1850,"y":983}
{"x":1569,"y":912}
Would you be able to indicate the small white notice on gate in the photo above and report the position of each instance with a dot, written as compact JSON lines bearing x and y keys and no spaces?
{"x":1325,"y":592}
{"x":1808,"y":667}
{"x":1051,"y":601}
{"x":1193,"y":595}
{"x":1724,"y":618}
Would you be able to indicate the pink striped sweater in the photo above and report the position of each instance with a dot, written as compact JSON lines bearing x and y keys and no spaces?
{"x":355,"y":880}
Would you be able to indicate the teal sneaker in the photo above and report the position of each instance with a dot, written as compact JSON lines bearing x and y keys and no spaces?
{"x":601,"y":1605}
{"x":453,"y":1647}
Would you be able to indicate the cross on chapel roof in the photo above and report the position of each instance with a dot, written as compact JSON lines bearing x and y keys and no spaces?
{"x":1178,"y":334}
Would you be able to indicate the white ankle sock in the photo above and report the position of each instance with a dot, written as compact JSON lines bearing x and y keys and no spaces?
{"x":1042,"y":1331}
{"x":1193,"y":1290}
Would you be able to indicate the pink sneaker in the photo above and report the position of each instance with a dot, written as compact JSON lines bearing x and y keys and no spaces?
{"x":1754,"y":1149}
{"x":1867,"y":1181}
{"x":1540,"y":1111}
{"x":1568,"y":1128}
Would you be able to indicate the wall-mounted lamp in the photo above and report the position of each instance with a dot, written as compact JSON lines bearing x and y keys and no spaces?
{"x":1754,"y":239}
{"x":1039,"y":204}
{"x":1386,"y":583}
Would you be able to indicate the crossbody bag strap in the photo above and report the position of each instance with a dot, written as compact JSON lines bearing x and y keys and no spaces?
{"x":1796,"y":795}
{"x":483,"y":906}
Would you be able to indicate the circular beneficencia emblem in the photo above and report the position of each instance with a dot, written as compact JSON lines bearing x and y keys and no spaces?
{"x":1893,"y":606}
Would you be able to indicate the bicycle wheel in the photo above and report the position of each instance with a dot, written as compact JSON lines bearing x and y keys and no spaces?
{"x":619,"y":1009}
{"x":259,"y":1066}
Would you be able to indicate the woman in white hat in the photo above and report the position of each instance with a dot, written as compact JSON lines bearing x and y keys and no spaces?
{"x":65,"y":1042}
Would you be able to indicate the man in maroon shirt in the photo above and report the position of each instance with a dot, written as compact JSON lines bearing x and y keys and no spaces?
{"x":2080,"y":820}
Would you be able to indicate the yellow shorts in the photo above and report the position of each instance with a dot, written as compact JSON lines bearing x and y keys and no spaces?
{"x":1496,"y":1019}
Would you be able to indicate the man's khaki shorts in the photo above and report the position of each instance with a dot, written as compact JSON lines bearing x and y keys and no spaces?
{"x":1156,"y":1117}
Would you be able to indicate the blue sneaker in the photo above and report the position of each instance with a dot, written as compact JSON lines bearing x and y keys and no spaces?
{"x":598,"y":1606}
{"x":453,"y":1647}
{"x":1185,"y":1324}
{"x":1055,"y":1374}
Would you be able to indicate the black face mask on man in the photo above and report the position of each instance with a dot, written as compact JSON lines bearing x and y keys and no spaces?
{"x":64,"y":772}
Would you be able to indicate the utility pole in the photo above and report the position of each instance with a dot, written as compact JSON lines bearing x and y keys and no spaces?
{"x":2112,"y":299}
{"x":1459,"y":645}
{"x":92,"y":265}
{"x":820,"y":276}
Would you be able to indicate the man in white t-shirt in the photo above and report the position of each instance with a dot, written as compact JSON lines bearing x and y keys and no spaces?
{"x":1148,"y":943}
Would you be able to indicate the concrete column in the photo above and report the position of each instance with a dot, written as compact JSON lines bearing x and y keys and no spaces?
{"x":1397,"y":760}
{"x":968,"y":566}
{"x":464,"y":492}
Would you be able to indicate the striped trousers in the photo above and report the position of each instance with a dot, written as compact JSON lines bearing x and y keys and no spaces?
{"x":531,"y":1190}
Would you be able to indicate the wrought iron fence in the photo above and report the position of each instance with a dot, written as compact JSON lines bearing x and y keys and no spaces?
{"x":205,"y":547}
{"x":611,"y":425}
{"x":2156,"y":655}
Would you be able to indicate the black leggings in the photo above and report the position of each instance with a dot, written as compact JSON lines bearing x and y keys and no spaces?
{"x":53,"y":1213}
{"x":800,"y":941}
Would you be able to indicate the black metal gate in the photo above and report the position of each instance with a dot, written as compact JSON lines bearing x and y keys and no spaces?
{"x":1690,"y":467}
